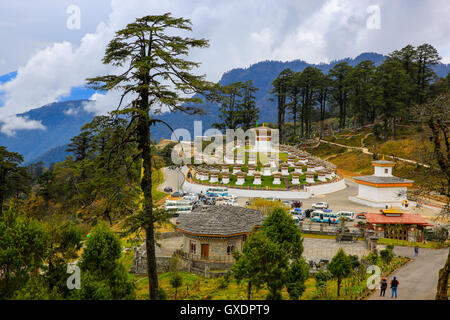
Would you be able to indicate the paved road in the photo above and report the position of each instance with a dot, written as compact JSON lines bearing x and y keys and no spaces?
{"x":418,"y":278}
{"x":172,"y":178}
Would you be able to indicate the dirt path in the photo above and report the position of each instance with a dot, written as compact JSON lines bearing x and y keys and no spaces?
{"x":418,"y":278}
{"x":366,"y":151}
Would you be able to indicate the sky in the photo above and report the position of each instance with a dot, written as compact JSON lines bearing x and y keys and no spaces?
{"x":54,"y":45}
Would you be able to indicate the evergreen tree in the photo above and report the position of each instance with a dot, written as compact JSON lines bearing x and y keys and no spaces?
{"x":340,"y":267}
{"x":103,"y":276}
{"x":427,"y":56}
{"x":340,"y":90}
{"x":261,"y":262}
{"x":392,"y":86}
{"x":9,"y":168}
{"x":362,"y":82}
{"x":294,"y":98}
{"x":228,"y":96}
{"x":155,"y":73}
{"x":23,"y":249}
{"x":309,"y":83}
{"x":248,"y":112}
{"x":280,"y":90}
{"x":323,"y":95}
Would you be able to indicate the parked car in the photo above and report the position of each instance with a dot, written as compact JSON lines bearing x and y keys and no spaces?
{"x":231,"y":202}
{"x":296,"y":219}
{"x":177,"y":194}
{"x":320,"y":205}
{"x":212,"y":195}
{"x":350,"y":216}
{"x":296,"y":204}
{"x":361,"y":216}
{"x":168,"y":189}
{"x":230,"y":197}
{"x":286,"y":203}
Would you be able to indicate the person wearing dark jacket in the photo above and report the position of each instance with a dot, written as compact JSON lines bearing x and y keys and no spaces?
{"x":394,"y":286}
{"x":383,"y":287}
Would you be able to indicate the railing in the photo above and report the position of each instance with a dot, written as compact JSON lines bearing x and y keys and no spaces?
{"x":200,"y":258}
{"x":317,"y":254}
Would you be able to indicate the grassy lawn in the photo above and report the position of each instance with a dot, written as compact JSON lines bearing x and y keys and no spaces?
{"x":325,"y":150}
{"x":157,"y":179}
{"x":349,"y":137}
{"x":354,"y":161}
{"x":196,"y":287}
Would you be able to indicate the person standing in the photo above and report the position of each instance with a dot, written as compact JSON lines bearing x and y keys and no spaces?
{"x":394,"y":286}
{"x":383,"y":287}
{"x":416,"y":251}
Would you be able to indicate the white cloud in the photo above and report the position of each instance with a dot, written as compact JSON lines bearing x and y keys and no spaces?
{"x":14,"y":123}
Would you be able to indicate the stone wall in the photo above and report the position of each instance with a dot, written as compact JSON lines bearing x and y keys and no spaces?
{"x":203,"y":268}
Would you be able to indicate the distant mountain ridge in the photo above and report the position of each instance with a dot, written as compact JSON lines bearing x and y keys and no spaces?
{"x":62,"y":124}
{"x":62,"y":120}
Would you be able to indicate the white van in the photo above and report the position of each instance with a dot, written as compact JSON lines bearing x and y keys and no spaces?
{"x":191,"y":197}
{"x":347,"y":215}
{"x":231,"y":202}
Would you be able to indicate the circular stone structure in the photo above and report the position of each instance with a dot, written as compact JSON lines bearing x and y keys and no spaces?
{"x":212,"y":234}
{"x":268,"y":170}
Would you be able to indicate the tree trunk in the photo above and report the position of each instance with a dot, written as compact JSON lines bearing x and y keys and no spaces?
{"x":146,"y":186}
{"x":339,"y":287}
{"x":441,"y":293}
{"x":394,"y":129}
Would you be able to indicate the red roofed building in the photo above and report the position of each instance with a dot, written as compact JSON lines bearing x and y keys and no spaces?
{"x":395,"y":224}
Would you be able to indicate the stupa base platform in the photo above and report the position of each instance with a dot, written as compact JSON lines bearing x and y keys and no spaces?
{"x":382,"y":204}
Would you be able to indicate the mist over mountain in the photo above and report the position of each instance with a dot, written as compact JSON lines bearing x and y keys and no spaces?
{"x":64,"y":119}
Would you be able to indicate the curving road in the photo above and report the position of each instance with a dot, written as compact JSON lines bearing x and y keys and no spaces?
{"x":418,"y":278}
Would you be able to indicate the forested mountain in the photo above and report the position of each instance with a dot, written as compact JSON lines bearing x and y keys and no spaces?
{"x":64,"y":119}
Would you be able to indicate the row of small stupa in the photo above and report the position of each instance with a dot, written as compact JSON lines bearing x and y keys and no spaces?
{"x":313,"y":167}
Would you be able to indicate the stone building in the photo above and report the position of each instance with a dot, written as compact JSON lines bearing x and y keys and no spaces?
{"x":212,"y":233}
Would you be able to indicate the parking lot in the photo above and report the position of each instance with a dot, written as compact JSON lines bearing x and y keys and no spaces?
{"x":338,"y":201}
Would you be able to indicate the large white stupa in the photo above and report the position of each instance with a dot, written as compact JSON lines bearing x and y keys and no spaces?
{"x":266,"y":140}
{"x":382,"y":188}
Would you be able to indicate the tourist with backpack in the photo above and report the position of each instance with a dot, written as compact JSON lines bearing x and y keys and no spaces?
{"x":394,"y":286}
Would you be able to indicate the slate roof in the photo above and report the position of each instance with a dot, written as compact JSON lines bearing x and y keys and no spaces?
{"x":383,"y":162}
{"x":379,"y":179}
{"x":219,"y":220}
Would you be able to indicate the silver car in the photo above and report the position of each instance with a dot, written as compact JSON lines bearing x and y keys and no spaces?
{"x":320,"y":205}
